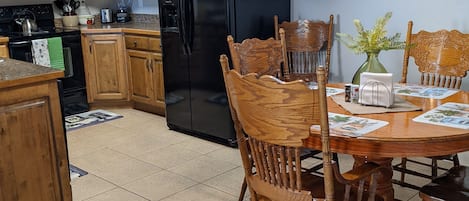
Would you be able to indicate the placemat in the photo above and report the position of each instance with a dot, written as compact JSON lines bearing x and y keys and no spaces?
{"x":352,"y":126}
{"x":399,"y":105}
{"x":454,"y":115}
{"x":424,"y":91}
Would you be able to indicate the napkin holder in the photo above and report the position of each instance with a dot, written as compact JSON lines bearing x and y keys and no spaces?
{"x":376,"y":89}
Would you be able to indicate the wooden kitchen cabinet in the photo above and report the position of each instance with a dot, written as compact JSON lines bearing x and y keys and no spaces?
{"x":105,"y":67}
{"x":4,"y":52}
{"x":146,"y":73}
{"x":33,"y":153}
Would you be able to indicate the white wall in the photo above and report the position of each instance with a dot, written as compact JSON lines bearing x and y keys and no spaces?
{"x":138,"y":6}
{"x":430,"y":15}
{"x":145,"y":6}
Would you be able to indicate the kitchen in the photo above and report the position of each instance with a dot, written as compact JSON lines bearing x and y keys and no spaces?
{"x":300,"y":9}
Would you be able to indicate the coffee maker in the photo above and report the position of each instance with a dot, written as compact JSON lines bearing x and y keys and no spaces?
{"x":122,"y":14}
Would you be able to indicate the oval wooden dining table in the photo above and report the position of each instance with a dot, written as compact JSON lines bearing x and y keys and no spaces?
{"x":402,"y":137}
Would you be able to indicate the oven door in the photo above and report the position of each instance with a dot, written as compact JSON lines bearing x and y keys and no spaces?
{"x":21,"y":50}
{"x":73,"y":58}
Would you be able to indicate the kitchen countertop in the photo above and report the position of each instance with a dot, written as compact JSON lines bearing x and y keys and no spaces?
{"x":14,"y":73}
{"x":135,"y":28}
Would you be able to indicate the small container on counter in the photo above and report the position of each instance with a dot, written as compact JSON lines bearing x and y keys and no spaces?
{"x":348,"y":90}
{"x":354,"y":93}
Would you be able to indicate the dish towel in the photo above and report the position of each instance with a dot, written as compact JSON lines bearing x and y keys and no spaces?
{"x":56,"y":53}
{"x":40,"y":52}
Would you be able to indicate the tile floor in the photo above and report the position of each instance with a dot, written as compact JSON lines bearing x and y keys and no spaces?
{"x":137,"y":158}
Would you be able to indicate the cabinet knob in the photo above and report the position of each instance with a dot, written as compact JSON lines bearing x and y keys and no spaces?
{"x":135,"y":43}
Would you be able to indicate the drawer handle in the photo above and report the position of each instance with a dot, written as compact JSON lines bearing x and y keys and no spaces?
{"x":148,"y":64}
{"x":151,"y":65}
{"x":135,"y":43}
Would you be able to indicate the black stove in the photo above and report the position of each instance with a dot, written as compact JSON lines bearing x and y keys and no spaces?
{"x":73,"y":90}
{"x":19,"y":35}
{"x":42,"y":14}
{"x":44,"y":18}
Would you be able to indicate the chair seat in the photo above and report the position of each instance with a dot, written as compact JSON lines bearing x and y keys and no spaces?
{"x":453,"y":185}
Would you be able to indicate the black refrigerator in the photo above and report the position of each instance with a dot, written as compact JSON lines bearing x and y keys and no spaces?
{"x":193,"y":34}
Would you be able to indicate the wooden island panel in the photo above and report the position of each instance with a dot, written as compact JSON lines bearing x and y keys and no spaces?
{"x":33,"y":161}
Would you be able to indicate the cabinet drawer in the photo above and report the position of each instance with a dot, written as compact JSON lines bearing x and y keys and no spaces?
{"x":154,"y":44}
{"x":136,"y":42}
{"x":142,"y":43}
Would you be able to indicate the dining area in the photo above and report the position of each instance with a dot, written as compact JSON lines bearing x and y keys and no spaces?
{"x":284,"y":105}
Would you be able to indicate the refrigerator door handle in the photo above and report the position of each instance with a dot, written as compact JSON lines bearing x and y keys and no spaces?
{"x":190,"y":25}
{"x":182,"y":24}
{"x":228,"y":17}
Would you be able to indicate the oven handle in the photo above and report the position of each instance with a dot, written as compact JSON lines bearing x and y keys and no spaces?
{"x":20,"y":42}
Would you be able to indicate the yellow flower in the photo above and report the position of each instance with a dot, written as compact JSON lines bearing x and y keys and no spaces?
{"x":373,"y":40}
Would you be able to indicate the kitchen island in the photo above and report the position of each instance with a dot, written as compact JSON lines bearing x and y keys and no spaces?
{"x":33,"y":153}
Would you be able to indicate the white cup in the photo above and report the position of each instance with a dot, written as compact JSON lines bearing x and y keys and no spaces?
{"x":86,"y":19}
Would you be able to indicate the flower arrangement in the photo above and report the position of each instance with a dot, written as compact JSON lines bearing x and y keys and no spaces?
{"x":373,"y":40}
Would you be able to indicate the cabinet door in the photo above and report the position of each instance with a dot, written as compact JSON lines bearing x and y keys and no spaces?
{"x":157,"y":68}
{"x":141,"y":86}
{"x":33,"y":158}
{"x":106,"y":67}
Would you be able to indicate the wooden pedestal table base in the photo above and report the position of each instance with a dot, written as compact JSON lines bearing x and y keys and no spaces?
{"x":384,"y":188}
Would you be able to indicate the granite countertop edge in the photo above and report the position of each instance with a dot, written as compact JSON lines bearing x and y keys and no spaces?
{"x":14,"y":73}
{"x":137,"y":28}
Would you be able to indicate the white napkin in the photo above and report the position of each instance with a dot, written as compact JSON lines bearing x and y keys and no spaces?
{"x":376,"y":89}
{"x":40,"y":52}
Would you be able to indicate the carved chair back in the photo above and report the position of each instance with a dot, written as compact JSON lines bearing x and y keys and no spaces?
{"x":307,"y":45}
{"x":264,"y":57}
{"x":442,"y":57}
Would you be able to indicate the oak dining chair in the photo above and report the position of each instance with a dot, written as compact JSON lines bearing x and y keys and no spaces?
{"x":265,"y":57}
{"x":307,"y":45}
{"x":452,"y":185}
{"x":442,"y":58}
{"x":254,"y":55}
{"x":273,"y":117}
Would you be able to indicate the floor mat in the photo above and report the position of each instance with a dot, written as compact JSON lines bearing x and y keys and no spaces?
{"x":93,"y":117}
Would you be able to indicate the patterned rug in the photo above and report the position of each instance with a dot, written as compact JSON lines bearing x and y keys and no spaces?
{"x":76,"y":172}
{"x":90,"y":118}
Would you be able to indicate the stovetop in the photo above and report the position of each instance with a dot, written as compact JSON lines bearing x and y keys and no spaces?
{"x":44,"y":15}
{"x":21,"y":36}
